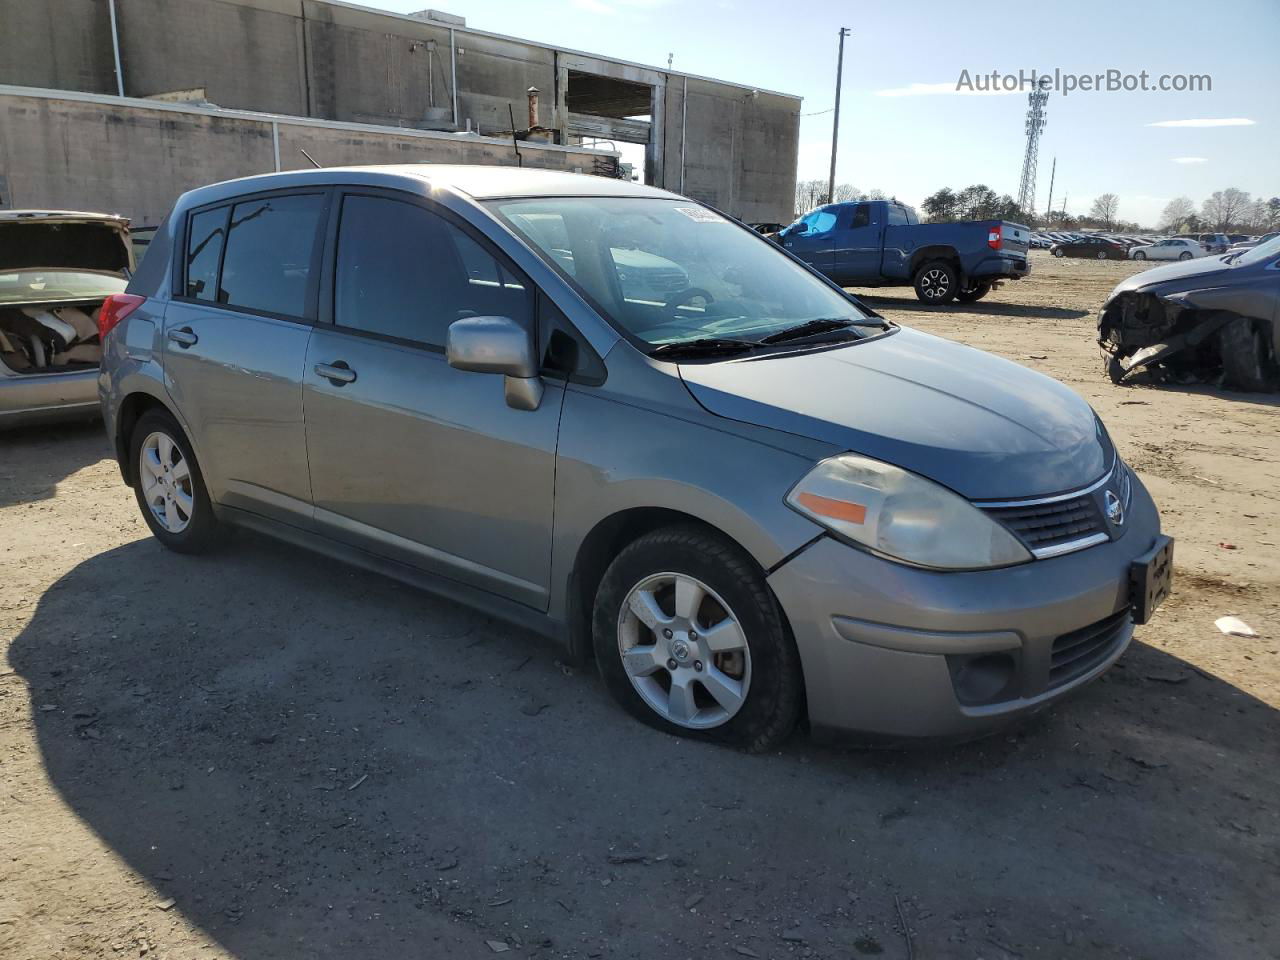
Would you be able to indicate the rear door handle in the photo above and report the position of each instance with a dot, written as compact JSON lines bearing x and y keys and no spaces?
{"x":337,"y":373}
{"x":183,"y":337}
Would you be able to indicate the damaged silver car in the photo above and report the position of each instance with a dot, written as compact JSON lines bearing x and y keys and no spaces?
{"x":1215,"y":320}
{"x":56,"y":269}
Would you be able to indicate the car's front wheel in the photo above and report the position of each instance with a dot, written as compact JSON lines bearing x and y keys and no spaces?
{"x":689,"y":639}
{"x":1059,"y":252}
{"x":1139,"y":255}
{"x":169,"y":486}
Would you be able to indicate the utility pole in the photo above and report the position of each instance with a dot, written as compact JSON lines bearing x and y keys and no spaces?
{"x":1053,"y":172}
{"x":835,"y":124}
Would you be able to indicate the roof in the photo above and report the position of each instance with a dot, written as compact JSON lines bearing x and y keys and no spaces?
{"x":476,"y":181}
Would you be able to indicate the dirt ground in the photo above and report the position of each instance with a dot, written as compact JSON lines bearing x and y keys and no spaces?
{"x":264,"y":755}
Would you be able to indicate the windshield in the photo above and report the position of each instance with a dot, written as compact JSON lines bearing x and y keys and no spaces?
{"x":670,"y":271}
{"x":1263,"y":251}
{"x":35,"y":286}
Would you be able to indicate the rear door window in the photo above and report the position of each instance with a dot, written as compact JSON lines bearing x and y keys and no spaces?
{"x":405,"y":272}
{"x":204,"y":251}
{"x":267,"y":264}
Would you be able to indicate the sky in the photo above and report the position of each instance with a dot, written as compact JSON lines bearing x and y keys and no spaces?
{"x":904,"y":129}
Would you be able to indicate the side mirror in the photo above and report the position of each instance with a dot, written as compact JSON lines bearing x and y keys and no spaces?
{"x":498,"y":345}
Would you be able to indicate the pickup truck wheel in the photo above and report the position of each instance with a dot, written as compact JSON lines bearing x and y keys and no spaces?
{"x":976,"y":292}
{"x":936,"y":282}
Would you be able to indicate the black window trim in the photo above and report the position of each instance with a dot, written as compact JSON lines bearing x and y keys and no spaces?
{"x":178,"y":290}
{"x":327,"y":307}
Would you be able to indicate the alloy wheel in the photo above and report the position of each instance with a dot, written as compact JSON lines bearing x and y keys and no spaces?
{"x":684,"y":650}
{"x":166,"y":482}
{"x":935,"y":283}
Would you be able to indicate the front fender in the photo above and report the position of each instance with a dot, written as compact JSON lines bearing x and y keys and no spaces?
{"x":614,"y":457}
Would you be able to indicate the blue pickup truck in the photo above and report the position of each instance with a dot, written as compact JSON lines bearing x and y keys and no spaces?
{"x":881,"y":243}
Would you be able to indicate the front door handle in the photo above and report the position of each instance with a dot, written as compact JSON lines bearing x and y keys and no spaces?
{"x":183,"y":337}
{"x":336,"y":373}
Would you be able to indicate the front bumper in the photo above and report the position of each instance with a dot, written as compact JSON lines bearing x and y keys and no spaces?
{"x":891,"y":651}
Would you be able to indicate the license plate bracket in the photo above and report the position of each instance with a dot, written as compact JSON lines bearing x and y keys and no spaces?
{"x":1151,"y":579}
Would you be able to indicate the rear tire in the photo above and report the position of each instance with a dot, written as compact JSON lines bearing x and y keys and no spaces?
{"x":758,"y":707}
{"x":169,"y":486}
{"x":1248,"y":359}
{"x":1102,"y":254}
{"x":974,"y":293}
{"x":1184,"y":255}
{"x":936,"y":282}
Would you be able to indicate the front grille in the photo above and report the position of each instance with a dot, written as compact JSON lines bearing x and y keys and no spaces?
{"x":1078,"y":652}
{"x":1046,"y":525}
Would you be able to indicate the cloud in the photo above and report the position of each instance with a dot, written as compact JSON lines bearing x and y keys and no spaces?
{"x":594,"y":6}
{"x":1190,"y":159}
{"x":1215,"y":122}
{"x":939,"y":89}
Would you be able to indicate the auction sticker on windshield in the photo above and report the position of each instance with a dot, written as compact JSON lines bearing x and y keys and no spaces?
{"x":701,"y":214}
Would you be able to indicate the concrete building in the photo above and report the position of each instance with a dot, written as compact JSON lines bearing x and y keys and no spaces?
{"x":354,"y":72}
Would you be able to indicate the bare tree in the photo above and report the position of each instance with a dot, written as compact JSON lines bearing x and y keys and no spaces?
{"x":846,"y":192}
{"x":1176,"y":213}
{"x":1105,"y":208}
{"x":1225,"y":208}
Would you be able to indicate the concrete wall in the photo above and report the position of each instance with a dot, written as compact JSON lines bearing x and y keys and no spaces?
{"x":133,"y":157}
{"x":329,"y":60}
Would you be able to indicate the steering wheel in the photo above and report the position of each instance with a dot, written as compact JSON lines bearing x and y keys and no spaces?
{"x":681,"y":297}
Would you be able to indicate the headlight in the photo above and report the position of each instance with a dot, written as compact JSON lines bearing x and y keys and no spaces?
{"x":903,"y":516}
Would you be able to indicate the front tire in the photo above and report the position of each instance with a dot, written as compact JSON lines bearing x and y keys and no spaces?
{"x":1139,"y":255}
{"x":1102,"y":254}
{"x":1059,"y":252}
{"x":169,"y":486}
{"x":936,"y":282}
{"x":1248,"y":360}
{"x":689,"y":639}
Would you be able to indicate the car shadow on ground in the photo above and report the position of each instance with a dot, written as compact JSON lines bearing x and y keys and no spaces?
{"x":33,"y":460}
{"x":313,"y":761}
{"x":992,"y":306}
{"x":1143,"y":383}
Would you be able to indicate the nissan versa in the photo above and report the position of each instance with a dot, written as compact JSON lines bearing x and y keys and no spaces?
{"x":610,"y":413}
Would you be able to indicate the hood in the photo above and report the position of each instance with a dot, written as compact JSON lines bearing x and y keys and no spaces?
{"x":63,"y":241}
{"x":1197,"y":271}
{"x":985,"y":427}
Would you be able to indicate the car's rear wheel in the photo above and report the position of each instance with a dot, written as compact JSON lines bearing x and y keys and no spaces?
{"x":1184,"y":255}
{"x":937,"y":282}
{"x":689,"y":639}
{"x":169,"y":486}
{"x":973,"y":293}
{"x":1102,"y":254}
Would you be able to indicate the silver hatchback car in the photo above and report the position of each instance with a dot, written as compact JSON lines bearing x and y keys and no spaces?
{"x":611,"y":414}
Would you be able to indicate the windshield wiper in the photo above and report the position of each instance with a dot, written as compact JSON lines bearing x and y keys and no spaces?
{"x":821,"y":325}
{"x":703,"y":347}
